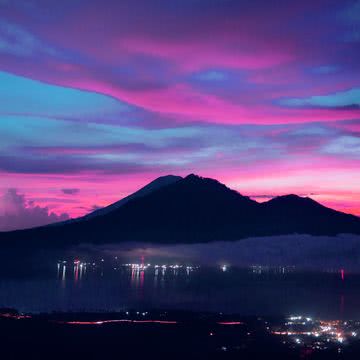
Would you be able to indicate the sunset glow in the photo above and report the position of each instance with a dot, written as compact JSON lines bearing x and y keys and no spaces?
{"x":99,"y":98}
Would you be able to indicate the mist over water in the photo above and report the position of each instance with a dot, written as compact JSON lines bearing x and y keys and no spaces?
{"x":302,"y":251}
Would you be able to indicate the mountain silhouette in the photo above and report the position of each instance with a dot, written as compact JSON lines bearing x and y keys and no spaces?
{"x":189,"y":210}
{"x":147,"y":189}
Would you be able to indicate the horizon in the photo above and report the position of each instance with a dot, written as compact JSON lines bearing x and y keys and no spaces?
{"x":43,"y":220}
{"x":263,"y":97}
{"x":259,"y":200}
{"x":256,"y":198}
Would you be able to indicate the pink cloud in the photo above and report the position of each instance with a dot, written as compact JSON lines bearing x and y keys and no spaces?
{"x":336,"y":182}
{"x":189,"y":105}
{"x":149,"y":56}
{"x":18,"y":213}
{"x":272,"y":45}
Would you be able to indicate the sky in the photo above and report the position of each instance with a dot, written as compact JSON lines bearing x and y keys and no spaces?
{"x":98,"y":98}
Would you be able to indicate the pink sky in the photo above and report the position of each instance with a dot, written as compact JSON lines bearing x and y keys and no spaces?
{"x":100,"y":98}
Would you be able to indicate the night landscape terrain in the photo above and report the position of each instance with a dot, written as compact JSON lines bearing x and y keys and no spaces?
{"x":175,"y":210}
{"x":179,"y":179}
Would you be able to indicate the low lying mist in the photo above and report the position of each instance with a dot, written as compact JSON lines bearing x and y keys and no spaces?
{"x":303,"y":251}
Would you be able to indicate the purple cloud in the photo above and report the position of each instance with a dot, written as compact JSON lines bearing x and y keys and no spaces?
{"x":18,"y":213}
{"x":70,"y":191}
{"x":236,"y":90}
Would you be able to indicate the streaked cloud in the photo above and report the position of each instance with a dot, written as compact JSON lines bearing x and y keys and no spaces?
{"x":342,"y":99}
{"x":344,"y":146}
{"x":23,"y":96}
{"x":16,"y":40}
{"x":212,"y":75}
{"x":325,"y":69}
{"x":70,"y":191}
{"x":262,"y":96}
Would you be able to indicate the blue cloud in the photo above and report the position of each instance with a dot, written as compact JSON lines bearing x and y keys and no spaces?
{"x":347,"y":98}
{"x":325,"y":69}
{"x":31,"y":131}
{"x":346,"y":145}
{"x":350,"y":17}
{"x":20,"y":95}
{"x":212,"y":75}
{"x":16,"y":40}
{"x":351,"y":14}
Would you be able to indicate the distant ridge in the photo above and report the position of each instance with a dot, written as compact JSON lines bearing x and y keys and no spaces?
{"x":193,"y":209}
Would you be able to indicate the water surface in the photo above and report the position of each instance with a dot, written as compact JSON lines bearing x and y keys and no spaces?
{"x":253,"y":291}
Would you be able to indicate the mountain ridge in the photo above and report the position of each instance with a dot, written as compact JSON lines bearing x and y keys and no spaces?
{"x":192,"y":209}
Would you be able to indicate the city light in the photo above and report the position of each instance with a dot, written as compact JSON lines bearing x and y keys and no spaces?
{"x":316,"y":333}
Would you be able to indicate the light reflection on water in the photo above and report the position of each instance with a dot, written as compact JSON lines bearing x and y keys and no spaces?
{"x":253,"y":291}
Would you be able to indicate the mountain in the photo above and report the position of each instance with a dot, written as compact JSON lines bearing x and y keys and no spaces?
{"x":190,"y":210}
{"x":147,"y":189}
{"x":302,"y":215}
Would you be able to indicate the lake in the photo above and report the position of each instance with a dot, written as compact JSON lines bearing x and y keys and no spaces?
{"x":250,"y":291}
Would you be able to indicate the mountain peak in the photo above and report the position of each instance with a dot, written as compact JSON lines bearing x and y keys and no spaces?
{"x":193,"y":177}
{"x":154,"y":185}
{"x":170,"y":176}
{"x":293,"y":199}
{"x":165,"y":179}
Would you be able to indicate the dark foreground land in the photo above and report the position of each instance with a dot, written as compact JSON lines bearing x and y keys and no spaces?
{"x":159,"y":335}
